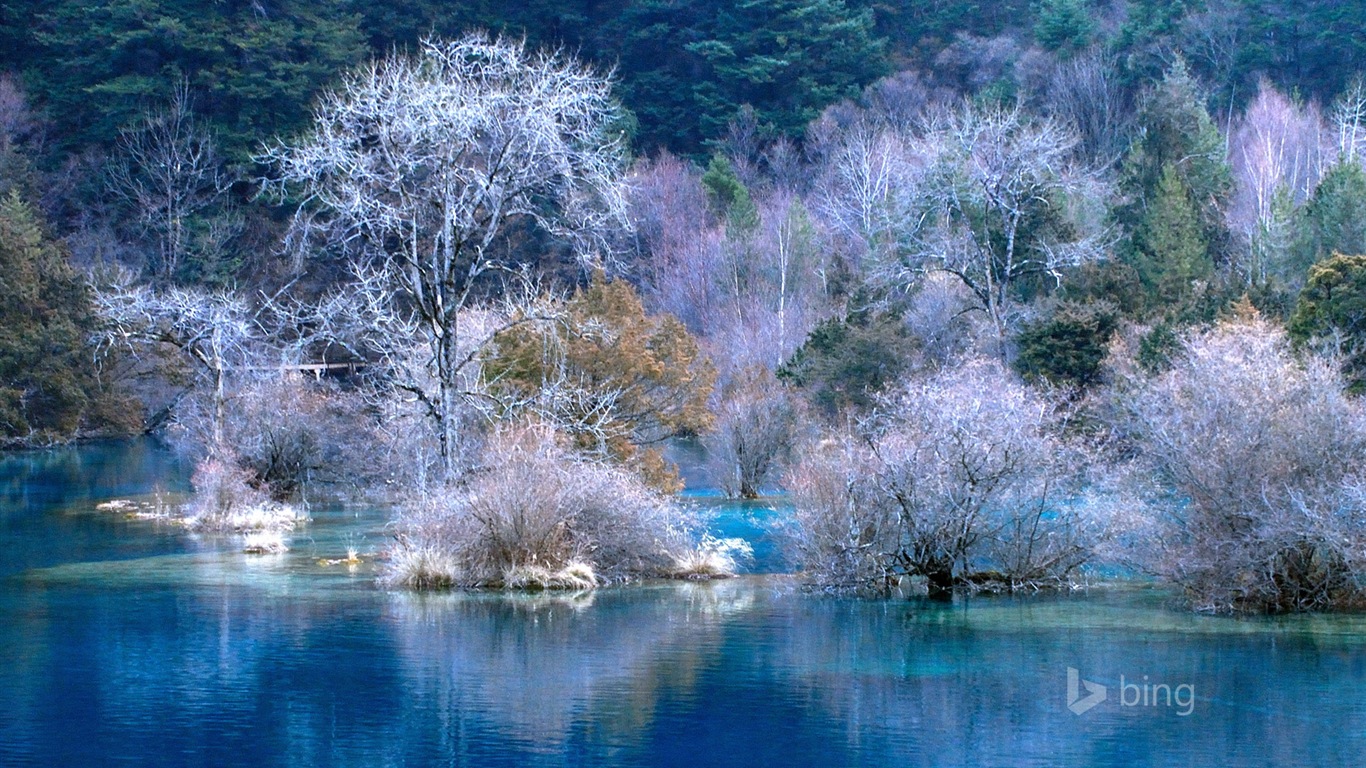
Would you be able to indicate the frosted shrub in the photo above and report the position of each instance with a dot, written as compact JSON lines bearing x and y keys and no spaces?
{"x":287,"y":431}
{"x":538,"y":515}
{"x":962,"y":478}
{"x":225,"y":500}
{"x":1257,"y":457}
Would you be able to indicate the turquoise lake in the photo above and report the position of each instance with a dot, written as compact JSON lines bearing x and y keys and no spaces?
{"x":127,"y":643}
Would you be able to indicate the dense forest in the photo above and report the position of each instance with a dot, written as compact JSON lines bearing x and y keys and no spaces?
{"x":916,"y":264}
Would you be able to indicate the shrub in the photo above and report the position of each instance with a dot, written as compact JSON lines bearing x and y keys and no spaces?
{"x":1332,"y":310}
{"x":757,"y":423}
{"x":415,"y":565}
{"x":1258,"y":454}
{"x":1068,"y":348}
{"x":845,"y":362}
{"x":286,"y":432}
{"x":539,"y":515}
{"x":227,"y":500}
{"x":961,"y":478}
{"x":290,"y":432}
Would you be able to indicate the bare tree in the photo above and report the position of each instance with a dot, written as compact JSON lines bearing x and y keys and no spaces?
{"x":676,"y":239}
{"x":758,"y":423}
{"x":423,"y":163}
{"x":864,"y":191}
{"x":218,"y":332}
{"x":962,"y":478}
{"x":1257,"y":458}
{"x":1086,"y":93}
{"x":21,"y":132}
{"x":1002,"y":202}
{"x":168,"y":172}
{"x":361,"y":321}
{"x":1349,"y":118}
{"x":1278,"y":152}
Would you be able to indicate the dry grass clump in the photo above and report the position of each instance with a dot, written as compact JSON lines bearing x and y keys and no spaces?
{"x":156,"y":509}
{"x":414,"y":565}
{"x":712,"y":558}
{"x":538,"y":515}
{"x":225,"y":500}
{"x":574,"y":576}
{"x":264,"y":543}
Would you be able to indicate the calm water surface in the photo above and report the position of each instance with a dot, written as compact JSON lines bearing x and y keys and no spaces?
{"x":123,"y":643}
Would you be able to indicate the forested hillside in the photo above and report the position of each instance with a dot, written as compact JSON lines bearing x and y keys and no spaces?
{"x":685,"y":68}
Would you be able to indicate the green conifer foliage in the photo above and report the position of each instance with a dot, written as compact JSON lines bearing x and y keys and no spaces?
{"x":1332,"y":307}
{"x":1334,"y":219}
{"x":253,"y":74}
{"x":729,"y":198}
{"x":1068,"y":348}
{"x":1064,"y":26}
{"x":1171,"y":254}
{"x":1175,"y":182}
{"x":845,"y":362}
{"x":45,"y":320}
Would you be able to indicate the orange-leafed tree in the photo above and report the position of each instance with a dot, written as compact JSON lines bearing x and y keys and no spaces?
{"x":616,"y":379}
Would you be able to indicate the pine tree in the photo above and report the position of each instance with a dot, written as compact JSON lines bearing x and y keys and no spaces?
{"x":1334,"y":219}
{"x":1175,"y":182}
{"x":1171,"y":254}
{"x":1064,"y":26}
{"x":1332,"y":307}
{"x":730,"y":199}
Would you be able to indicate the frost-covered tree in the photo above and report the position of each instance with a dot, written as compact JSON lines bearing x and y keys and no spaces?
{"x":964,"y":476}
{"x":1001,"y":204}
{"x":424,"y":163}
{"x":1257,"y":453}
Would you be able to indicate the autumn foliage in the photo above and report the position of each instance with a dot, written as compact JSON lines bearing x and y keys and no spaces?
{"x":616,"y":379}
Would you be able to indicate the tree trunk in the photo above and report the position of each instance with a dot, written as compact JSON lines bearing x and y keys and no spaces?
{"x":747,"y":489}
{"x":448,"y":418}
{"x":939,"y":578}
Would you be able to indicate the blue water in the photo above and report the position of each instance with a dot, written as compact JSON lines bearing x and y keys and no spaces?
{"x":125,"y":643}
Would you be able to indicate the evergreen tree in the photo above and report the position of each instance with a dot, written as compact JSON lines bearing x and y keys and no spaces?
{"x":1176,"y":129}
{"x":1175,"y":183}
{"x":253,"y":74}
{"x":45,"y":320}
{"x":729,"y":198}
{"x":1150,"y":33}
{"x":1170,"y":250}
{"x":1332,"y":307}
{"x":688,"y":68}
{"x":787,"y":59}
{"x":1068,"y":348}
{"x":845,"y":362}
{"x":1064,"y":26}
{"x":1334,"y":219}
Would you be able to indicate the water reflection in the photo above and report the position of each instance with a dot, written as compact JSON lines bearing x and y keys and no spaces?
{"x":147,"y":648}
